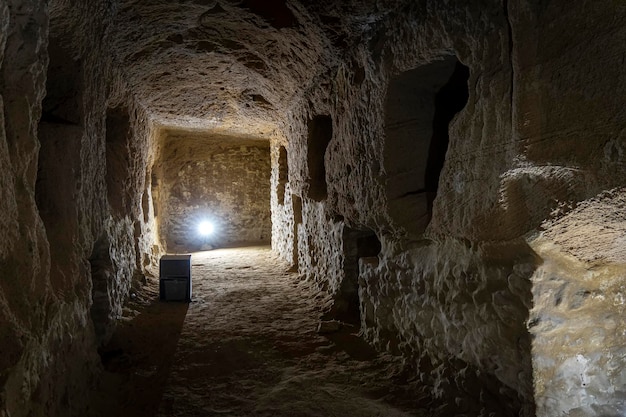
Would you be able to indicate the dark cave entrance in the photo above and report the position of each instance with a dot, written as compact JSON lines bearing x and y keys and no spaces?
{"x":419,"y":107}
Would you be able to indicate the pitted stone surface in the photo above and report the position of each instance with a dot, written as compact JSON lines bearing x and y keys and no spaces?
{"x":522,"y":209}
{"x":223,"y":180}
{"x":219,"y":66}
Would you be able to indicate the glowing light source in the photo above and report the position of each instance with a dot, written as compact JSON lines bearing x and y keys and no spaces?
{"x":205,"y":228}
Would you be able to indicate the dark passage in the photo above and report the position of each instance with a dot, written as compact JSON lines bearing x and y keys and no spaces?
{"x":450,"y":100}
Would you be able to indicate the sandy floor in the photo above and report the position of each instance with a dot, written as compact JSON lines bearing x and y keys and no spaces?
{"x":247,"y":345}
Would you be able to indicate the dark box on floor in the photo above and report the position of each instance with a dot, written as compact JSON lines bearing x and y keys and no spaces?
{"x":175,"y":278}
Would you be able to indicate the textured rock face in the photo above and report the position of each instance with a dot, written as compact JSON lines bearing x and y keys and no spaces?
{"x":252,"y":59}
{"x":68,"y":256}
{"x":451,"y":172}
{"x":458,"y":309}
{"x":222,"y":180}
{"x":569,"y":123}
{"x":578,"y":316}
{"x":46,"y":330}
{"x":458,"y":297}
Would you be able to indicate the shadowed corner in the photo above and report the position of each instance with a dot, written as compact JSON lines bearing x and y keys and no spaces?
{"x":139,"y":357}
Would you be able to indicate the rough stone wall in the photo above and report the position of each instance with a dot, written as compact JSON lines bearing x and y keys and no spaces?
{"x":569,"y":120}
{"x":520,"y":224}
{"x":459,"y":307}
{"x":222,"y":180}
{"x":462,"y":317}
{"x":579,"y":302}
{"x":67,"y":259}
{"x":42,"y":324}
{"x":126,"y":248}
{"x":147,"y":244}
{"x":284,"y":225}
{"x":536,"y":137}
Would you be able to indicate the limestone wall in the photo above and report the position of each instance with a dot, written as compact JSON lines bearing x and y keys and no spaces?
{"x":69,"y":234}
{"x":535,"y":138}
{"x":223,"y":180}
{"x":43,"y":320}
{"x":577,"y":320}
{"x":458,"y":307}
{"x":488,"y":232}
{"x":569,"y":122}
{"x":282,"y":204}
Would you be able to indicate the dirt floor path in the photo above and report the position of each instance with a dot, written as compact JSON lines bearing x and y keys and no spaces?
{"x":247,"y":345}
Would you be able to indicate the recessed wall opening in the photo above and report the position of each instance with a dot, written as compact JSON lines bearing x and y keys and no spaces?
{"x":118,"y":137}
{"x":60,"y":133}
{"x":320,"y":132}
{"x":449,"y":100}
{"x":296,"y":203}
{"x":154,"y":191}
{"x":145,"y":200}
{"x":212,"y":191}
{"x":283,"y":174}
{"x":102,"y":274}
{"x":357,"y":245}
{"x":420,"y":105}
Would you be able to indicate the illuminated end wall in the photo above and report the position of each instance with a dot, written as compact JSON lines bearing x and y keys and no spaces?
{"x":223,"y":180}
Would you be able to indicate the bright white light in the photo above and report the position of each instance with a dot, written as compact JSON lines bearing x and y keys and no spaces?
{"x":205,"y":228}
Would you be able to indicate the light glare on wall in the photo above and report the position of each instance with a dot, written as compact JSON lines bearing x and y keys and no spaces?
{"x":205,"y":228}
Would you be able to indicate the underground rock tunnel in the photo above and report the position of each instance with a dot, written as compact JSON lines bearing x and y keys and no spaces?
{"x":418,"y":207}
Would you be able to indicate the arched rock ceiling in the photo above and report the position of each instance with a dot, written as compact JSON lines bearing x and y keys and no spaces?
{"x":230,"y":66}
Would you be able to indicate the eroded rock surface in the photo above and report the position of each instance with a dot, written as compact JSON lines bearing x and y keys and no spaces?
{"x":221,"y":180}
{"x":449,"y":174}
{"x":578,"y":315}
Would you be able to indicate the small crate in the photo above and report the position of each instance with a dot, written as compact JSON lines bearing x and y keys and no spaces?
{"x":175,"y":278}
